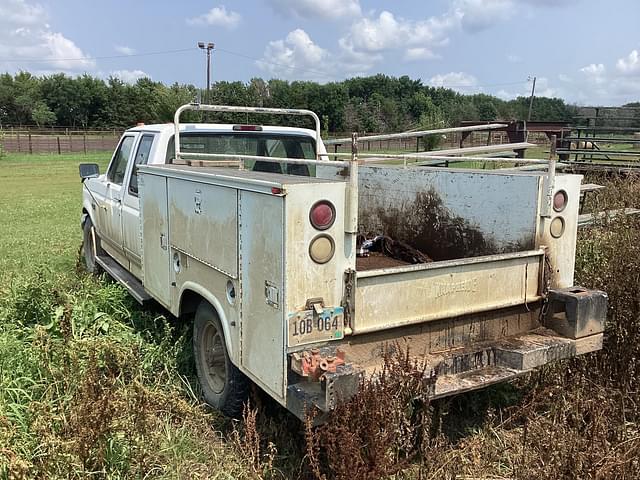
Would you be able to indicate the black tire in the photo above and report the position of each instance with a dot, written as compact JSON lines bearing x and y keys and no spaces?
{"x":89,"y":250}
{"x":224,"y":387}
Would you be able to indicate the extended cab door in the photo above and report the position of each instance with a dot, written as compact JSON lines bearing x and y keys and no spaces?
{"x":132,"y":236}
{"x":110,"y":215}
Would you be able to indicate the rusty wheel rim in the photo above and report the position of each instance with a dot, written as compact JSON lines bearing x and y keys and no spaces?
{"x":213,"y":358}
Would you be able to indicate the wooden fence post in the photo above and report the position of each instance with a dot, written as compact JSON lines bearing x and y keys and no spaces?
{"x":30,"y":145}
{"x":59,"y":149}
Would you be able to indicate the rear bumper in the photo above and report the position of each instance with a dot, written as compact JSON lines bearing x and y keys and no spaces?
{"x":570,"y":324}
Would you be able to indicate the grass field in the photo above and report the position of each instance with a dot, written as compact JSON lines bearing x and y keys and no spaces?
{"x":91,"y":385}
{"x":40,"y":196}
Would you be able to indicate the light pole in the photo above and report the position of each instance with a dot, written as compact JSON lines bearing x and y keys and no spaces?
{"x":533,"y":92}
{"x":208,"y":47}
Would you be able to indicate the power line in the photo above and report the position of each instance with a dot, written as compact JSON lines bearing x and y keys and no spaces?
{"x":318,"y":72}
{"x":262,"y":60}
{"x":223,"y":50}
{"x":84,"y":59}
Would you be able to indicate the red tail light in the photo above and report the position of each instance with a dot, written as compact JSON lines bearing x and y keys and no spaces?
{"x":322,"y":215}
{"x":560,"y":200}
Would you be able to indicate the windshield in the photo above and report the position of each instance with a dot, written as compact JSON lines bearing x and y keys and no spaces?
{"x":256,"y":144}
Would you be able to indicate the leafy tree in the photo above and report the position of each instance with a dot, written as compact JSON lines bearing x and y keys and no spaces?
{"x":378,"y":103}
{"x":42,"y":114}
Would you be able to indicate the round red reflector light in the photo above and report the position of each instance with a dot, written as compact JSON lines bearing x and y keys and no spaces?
{"x":322,"y":215}
{"x":560,"y":200}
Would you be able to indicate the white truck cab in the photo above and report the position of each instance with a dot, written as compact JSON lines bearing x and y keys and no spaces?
{"x":257,"y":235}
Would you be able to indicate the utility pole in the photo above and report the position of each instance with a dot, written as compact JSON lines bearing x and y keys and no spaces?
{"x":208,"y":47}
{"x":533,"y":92}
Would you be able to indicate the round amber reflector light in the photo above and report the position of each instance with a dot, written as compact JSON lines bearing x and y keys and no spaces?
{"x":322,"y":215}
{"x":557,"y":227}
{"x":322,"y":248}
{"x":560,"y":200}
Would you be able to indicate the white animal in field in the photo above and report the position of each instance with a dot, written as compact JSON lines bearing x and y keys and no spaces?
{"x":582,"y":145}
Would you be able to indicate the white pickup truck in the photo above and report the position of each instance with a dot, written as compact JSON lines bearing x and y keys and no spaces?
{"x":300,"y":272}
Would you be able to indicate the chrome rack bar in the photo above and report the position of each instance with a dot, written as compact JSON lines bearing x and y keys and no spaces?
{"x":234,"y":109}
{"x":381,"y":157}
{"x":421,"y":133}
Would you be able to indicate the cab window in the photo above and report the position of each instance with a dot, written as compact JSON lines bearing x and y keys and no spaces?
{"x":142,"y":157}
{"x":254,"y":144}
{"x":118,"y":166}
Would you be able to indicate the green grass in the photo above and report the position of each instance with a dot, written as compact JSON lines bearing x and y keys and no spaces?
{"x":90,"y":384}
{"x":40,"y":202}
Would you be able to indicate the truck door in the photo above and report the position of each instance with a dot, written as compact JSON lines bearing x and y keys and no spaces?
{"x":110,"y":224}
{"x":132,"y":237}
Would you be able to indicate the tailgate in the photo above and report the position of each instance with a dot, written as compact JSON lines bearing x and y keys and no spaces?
{"x":386,"y":298}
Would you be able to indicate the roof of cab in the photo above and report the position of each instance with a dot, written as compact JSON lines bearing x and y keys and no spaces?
{"x":219,"y":128}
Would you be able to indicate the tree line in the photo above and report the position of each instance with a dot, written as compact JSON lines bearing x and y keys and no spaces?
{"x":378,"y":103}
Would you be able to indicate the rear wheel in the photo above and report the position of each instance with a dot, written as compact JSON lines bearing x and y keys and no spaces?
{"x":223,"y":386}
{"x":91,"y":247}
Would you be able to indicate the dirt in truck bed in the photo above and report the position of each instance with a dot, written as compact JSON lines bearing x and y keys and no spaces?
{"x":377,"y":260}
{"x":385,"y":252}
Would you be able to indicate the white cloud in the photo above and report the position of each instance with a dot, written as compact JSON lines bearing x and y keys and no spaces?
{"x":353,"y":61}
{"x":594,"y":69}
{"x":601,"y":85}
{"x":544,"y":89}
{"x":314,"y":9}
{"x":124,"y":50}
{"x":18,"y":12}
{"x":630,"y":64}
{"x":129,"y":76}
{"x":462,"y":81}
{"x":595,"y":73}
{"x":514,"y":58}
{"x":564,"y":78}
{"x":386,"y":32}
{"x":27,"y":38}
{"x":296,"y":55}
{"x":218,"y":17}
{"x":478,"y":15}
{"x":419,"y":53}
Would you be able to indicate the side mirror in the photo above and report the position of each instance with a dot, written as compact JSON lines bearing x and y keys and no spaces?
{"x":89,"y":170}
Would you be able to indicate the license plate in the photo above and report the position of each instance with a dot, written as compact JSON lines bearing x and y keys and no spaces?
{"x":308,"y":326}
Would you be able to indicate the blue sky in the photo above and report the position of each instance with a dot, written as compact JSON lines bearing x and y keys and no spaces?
{"x":586,"y":51}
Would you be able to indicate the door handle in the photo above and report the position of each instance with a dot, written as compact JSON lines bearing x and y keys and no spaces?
{"x":163,"y":241}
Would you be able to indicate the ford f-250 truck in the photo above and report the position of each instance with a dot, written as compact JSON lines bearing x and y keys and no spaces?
{"x":270,"y":247}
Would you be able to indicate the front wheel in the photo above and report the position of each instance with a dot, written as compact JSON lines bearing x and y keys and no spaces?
{"x":91,"y":247}
{"x":223,"y":386}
